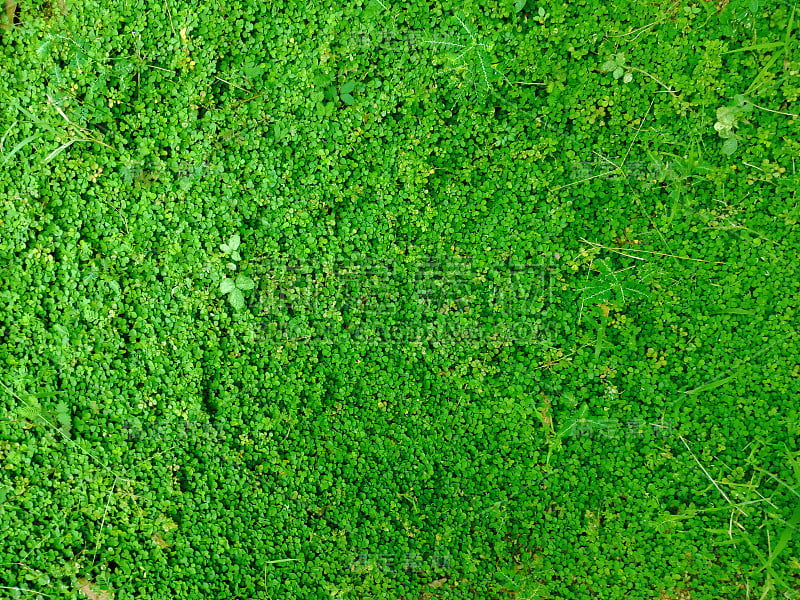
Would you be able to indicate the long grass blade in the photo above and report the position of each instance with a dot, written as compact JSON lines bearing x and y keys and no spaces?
{"x":20,"y":146}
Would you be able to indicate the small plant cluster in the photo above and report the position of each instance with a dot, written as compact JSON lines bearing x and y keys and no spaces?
{"x":728,"y":119}
{"x":616,"y":66}
{"x":234,"y":287}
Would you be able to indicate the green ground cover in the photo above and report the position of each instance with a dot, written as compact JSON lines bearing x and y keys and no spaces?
{"x":400,"y":300}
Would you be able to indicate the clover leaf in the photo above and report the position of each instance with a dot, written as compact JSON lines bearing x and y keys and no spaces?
{"x":345,"y":94}
{"x":234,"y":289}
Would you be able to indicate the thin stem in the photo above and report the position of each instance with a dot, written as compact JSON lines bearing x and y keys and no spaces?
{"x":661,"y":83}
{"x":777,"y":112}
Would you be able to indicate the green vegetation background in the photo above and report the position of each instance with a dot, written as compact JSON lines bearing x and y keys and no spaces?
{"x":161,"y":160}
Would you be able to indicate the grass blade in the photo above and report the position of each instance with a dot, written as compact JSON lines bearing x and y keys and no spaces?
{"x":59,"y":150}
{"x":710,"y":385}
{"x":21,"y":145}
{"x":767,"y":46}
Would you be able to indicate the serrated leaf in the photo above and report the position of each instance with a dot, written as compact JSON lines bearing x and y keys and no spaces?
{"x":62,"y":414}
{"x":317,"y":96}
{"x":252,"y":71}
{"x":227,"y":285}
{"x":237,"y":299}
{"x":28,"y":412}
{"x":603,"y":267}
{"x":243,"y":282}
{"x":321,"y":79}
{"x":44,"y":48}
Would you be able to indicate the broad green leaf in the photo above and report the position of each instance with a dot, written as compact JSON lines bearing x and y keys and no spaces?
{"x":348,"y":87}
{"x":730,"y":145}
{"x":243,"y":282}
{"x":628,"y":77}
{"x":234,"y":242}
{"x":227,"y":285}
{"x":727,"y":116}
{"x":618,"y":72}
{"x":519,"y":5}
{"x":609,"y":65}
{"x":237,"y":299}
{"x":347,"y":99}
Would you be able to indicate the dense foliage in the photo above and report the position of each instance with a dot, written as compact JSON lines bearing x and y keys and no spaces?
{"x":386,"y":300}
